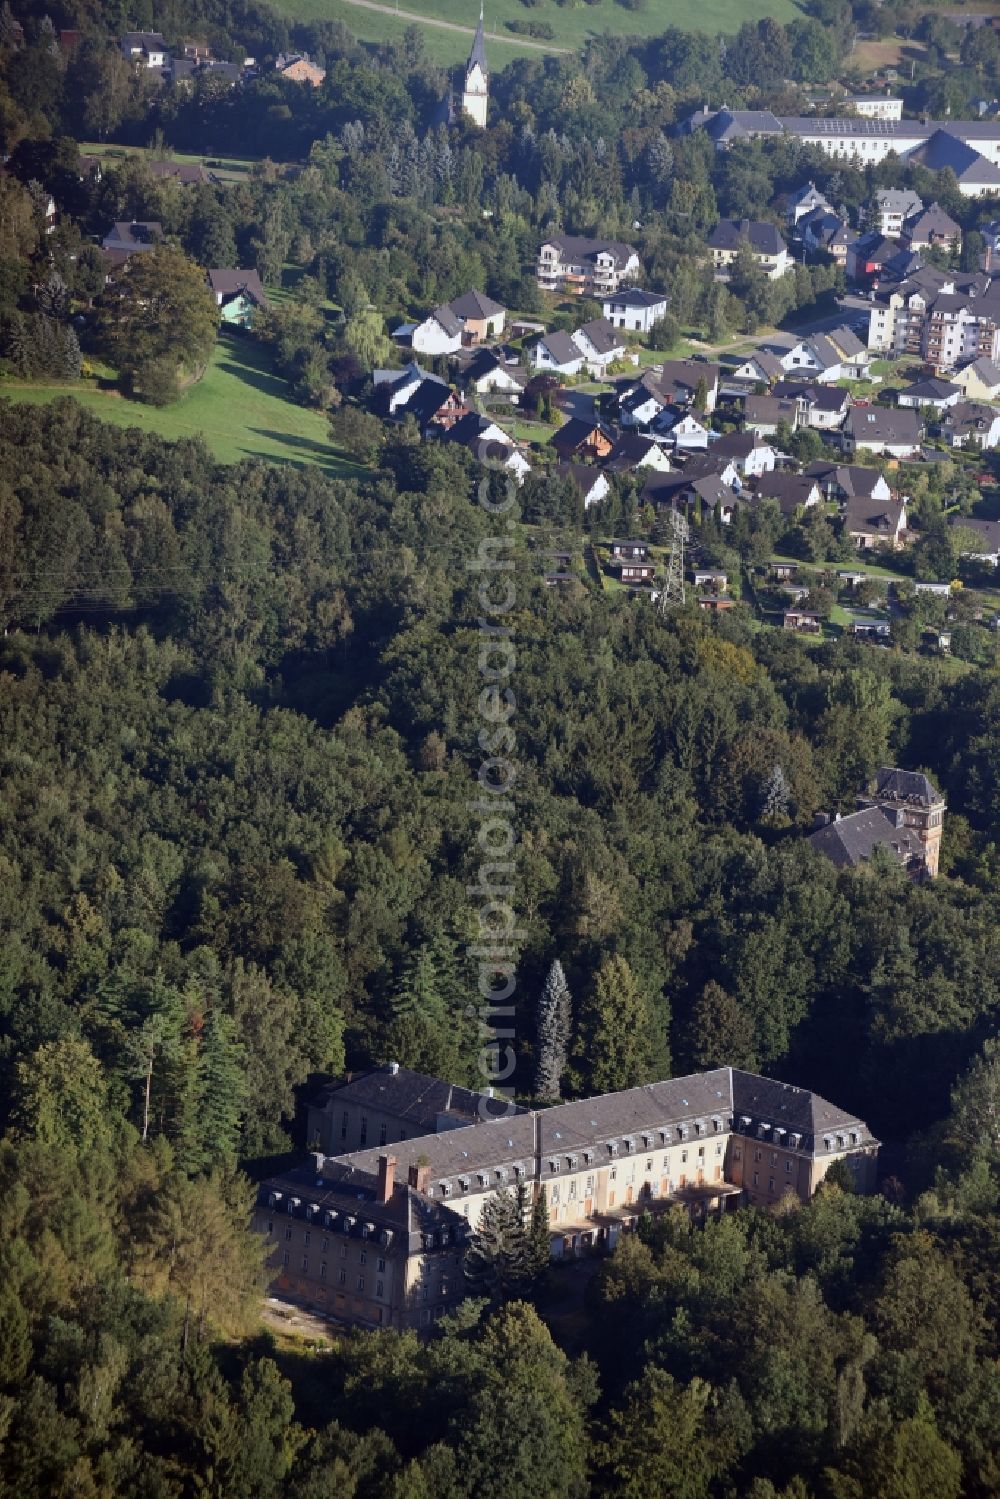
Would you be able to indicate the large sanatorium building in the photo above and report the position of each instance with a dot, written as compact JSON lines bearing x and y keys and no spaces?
{"x":375,"y":1234}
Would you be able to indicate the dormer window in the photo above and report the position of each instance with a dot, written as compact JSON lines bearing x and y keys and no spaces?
{"x":699,"y":1126}
{"x":293,"y":1203}
{"x":795,"y":1141}
{"x":588,"y":1156}
{"x":273,"y":1199}
{"x":484,"y":1180}
{"x":827,"y":1143}
{"x":612,"y":1147}
{"x":445,"y":1189}
{"x":463,"y":1183}
{"x":682,"y":1130}
{"x":571,"y":1163}
{"x":501,"y":1173}
{"x":716,"y":1123}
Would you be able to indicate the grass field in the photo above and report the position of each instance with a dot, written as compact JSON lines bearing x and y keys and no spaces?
{"x":229,"y":168}
{"x":241,"y":408}
{"x":573,"y":24}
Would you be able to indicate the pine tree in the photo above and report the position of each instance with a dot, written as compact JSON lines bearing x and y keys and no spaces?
{"x":496,"y":1262}
{"x":553,"y":1030}
{"x":777,"y":798}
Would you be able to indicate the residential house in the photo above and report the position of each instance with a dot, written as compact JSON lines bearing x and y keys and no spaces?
{"x":439,"y":333}
{"x":592,"y":267}
{"x":805,"y":202}
{"x":747,"y":452}
{"x":979,"y":381}
{"x":875,"y":523}
{"x":239,"y":295}
{"x":978,"y":176}
{"x":599,"y":344}
{"x":686,"y":428}
{"x":988,"y":533}
{"x":852,"y":840}
{"x":635,"y":311}
{"x":558,"y":352}
{"x":488,"y":443}
{"x":784,"y":572}
{"x":868,"y":254}
{"x":764,"y":414}
{"x":147,"y":48}
{"x":393,"y":388}
{"x":822,"y":407}
{"x":938,"y":394}
{"x":433,"y":405}
{"x":591,"y":482}
{"x":931,"y":226}
{"x":715,"y":603}
{"x":802,"y":621}
{"x":872,"y":429}
{"x":487,"y":373}
{"x":689,"y":381}
{"x":793,"y":492}
{"x":299,"y":68}
{"x":130,"y":238}
{"x":639,"y":405}
{"x":581,"y":438}
{"x":637,"y":450}
{"x":845,"y":481}
{"x":971,"y":424}
{"x":764,"y":240}
{"x":630,"y":550}
{"x":893,"y":206}
{"x":480,"y":317}
{"x":709,"y":578}
{"x":825,"y":232}
{"x":632,"y":572}
{"x":761,"y":367}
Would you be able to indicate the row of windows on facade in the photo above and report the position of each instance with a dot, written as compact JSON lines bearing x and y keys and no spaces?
{"x":324,"y":1245}
{"x":501,"y":1174}
{"x":345,"y":1120}
{"x":341,"y":1278}
{"x":758,"y":1155}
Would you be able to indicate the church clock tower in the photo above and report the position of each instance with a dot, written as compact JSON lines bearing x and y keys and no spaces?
{"x":475,"y":95}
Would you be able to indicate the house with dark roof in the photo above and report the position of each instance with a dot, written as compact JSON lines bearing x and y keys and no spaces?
{"x":488,"y":373}
{"x":559,"y":353}
{"x":635,"y":311}
{"x":746,"y":451}
{"x":931,"y":226}
{"x":842,"y":481}
{"x":239,"y":295}
{"x":591,"y":267}
{"x":874,"y":429}
{"x":822,"y":407}
{"x":637,"y":450}
{"x":591,"y":483}
{"x":875,"y":523}
{"x":439,"y":333}
{"x":130,"y":237}
{"x":764,"y":414}
{"x":987,"y":534}
{"x":433,"y":405}
{"x":481,"y":318}
{"x":912,"y":802}
{"x":794,"y":493}
{"x":730,"y":127}
{"x":971,"y":424}
{"x":763,"y":240}
{"x":979,"y":380}
{"x":581,"y":437}
{"x":852,"y":840}
{"x":893,"y":206}
{"x":806,"y":201}
{"x":940,"y":394}
{"x":600,"y":345}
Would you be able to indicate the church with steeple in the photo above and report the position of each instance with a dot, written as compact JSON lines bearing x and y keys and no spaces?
{"x":475,"y":94}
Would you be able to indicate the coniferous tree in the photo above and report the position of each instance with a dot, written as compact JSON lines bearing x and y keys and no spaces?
{"x":614,"y":1045}
{"x":539,"y":1242}
{"x":496,"y":1262}
{"x":554,"y":1016}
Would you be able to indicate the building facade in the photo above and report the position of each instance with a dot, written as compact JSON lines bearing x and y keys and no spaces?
{"x":376,"y":1236}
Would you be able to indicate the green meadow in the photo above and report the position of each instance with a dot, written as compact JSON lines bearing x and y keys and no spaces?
{"x":240,"y":407}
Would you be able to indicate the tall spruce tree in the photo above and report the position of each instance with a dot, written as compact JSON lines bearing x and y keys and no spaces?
{"x":553,"y":1026}
{"x":539,"y":1242}
{"x":615,"y":1043}
{"x":496,"y":1261}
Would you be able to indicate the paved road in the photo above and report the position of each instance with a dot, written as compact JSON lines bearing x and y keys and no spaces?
{"x":491,"y":36}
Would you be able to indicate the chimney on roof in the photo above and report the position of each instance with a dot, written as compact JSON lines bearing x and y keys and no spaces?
{"x":392,"y":1068}
{"x":386,"y":1177}
{"x":418,"y":1177}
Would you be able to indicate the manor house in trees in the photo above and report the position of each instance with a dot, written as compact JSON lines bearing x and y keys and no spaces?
{"x":376,"y":1235}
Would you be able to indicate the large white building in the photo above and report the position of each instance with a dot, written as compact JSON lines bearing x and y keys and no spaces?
{"x":475,"y":95}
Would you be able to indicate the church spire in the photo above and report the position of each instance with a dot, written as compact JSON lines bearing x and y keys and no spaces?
{"x":475,"y":96}
{"x":477,"y":57}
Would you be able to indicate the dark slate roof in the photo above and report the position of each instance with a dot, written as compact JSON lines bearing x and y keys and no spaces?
{"x":633,"y":297}
{"x":790,"y":490}
{"x":680,"y":378}
{"x":931,"y":390}
{"x":768,"y":409}
{"x":876,"y":423}
{"x":932,"y":222}
{"x":468,"y":429}
{"x":988,"y":530}
{"x":763,"y":239}
{"x":475,"y":304}
{"x":449,"y":322}
{"x":897,"y":785}
{"x":727,"y":125}
{"x":583,"y":475}
{"x":414,"y":1096}
{"x":602,"y":335}
{"x":573,"y":434}
{"x":186,"y":172}
{"x":478,"y":53}
{"x":629,"y":451}
{"x":228,"y":283}
{"x":970,"y":416}
{"x":795,"y":1110}
{"x":426,"y":401}
{"x":561,"y":347}
{"x":737,"y":444}
{"x":854,"y":480}
{"x":349,"y":1194}
{"x":824,"y":397}
{"x":945,"y":150}
{"x":853,"y":839}
{"x":868,"y":517}
{"x":578,"y":247}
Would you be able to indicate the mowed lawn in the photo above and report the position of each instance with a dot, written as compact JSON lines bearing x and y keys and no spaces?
{"x":241,"y":408}
{"x":573,"y":25}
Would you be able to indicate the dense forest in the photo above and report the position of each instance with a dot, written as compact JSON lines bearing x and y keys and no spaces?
{"x":240,"y":711}
{"x":239,"y":716}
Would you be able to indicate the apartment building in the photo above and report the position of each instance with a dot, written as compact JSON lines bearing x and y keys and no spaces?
{"x":376,"y":1236}
{"x":876,"y":106}
{"x":591,"y":267}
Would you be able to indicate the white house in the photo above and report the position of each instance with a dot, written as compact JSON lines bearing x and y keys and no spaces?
{"x":557,"y":352}
{"x":876,"y":106}
{"x":439,"y":333}
{"x":635,"y":311}
{"x":599,"y":344}
{"x":971,"y":424}
{"x":877,"y":430}
{"x":145,"y":47}
{"x":685,"y":428}
{"x":939,"y":394}
{"x":746,"y":452}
